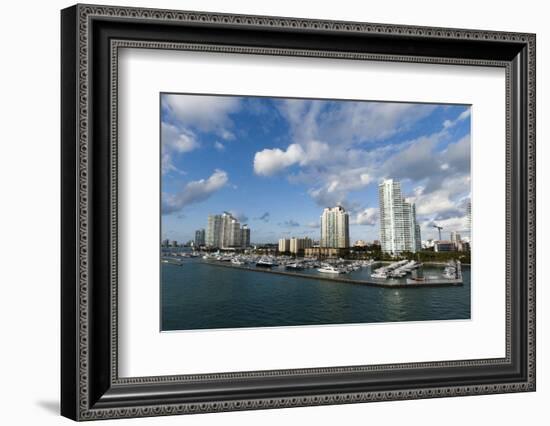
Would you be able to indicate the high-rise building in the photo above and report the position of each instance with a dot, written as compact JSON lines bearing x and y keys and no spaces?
{"x":284,"y":245}
{"x":200,"y":237}
{"x":298,"y":245}
{"x":335,"y":228}
{"x":214,"y":231}
{"x":224,"y":231}
{"x":245,"y":236}
{"x":399,"y":230}
{"x":455,"y":237}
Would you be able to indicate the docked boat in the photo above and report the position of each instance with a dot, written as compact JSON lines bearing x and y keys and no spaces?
{"x":265,"y":262}
{"x":236,"y":261}
{"x":295,"y":267}
{"x":329,"y":269}
{"x":379,"y":275}
{"x":170,"y":261}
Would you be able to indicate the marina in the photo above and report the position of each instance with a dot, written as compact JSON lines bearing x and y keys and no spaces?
{"x":398,"y":274}
{"x":338,"y":277}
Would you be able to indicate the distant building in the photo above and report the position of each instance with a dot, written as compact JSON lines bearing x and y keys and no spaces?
{"x":165,"y":243}
{"x":298,"y":245}
{"x":173,"y":243}
{"x":335,"y":228}
{"x":284,"y":245}
{"x":325,"y":252}
{"x":224,"y":231}
{"x":200,"y":237}
{"x":444,"y":245}
{"x":360,"y":243}
{"x":399,"y":230}
{"x":455,"y":237}
{"x":245,"y":236}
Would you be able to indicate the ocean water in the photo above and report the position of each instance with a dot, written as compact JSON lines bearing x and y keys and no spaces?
{"x":198,"y":295}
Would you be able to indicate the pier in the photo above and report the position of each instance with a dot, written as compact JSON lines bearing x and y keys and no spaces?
{"x":373,"y":283}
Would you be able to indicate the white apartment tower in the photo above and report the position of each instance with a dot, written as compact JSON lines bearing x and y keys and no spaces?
{"x":284,"y":245}
{"x":399,"y":230}
{"x":214,"y":231}
{"x":335,"y":228}
{"x":225,"y":231}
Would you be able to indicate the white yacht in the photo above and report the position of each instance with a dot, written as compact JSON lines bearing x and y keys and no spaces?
{"x":265,"y":262}
{"x":379,"y":274}
{"x":329,"y":269}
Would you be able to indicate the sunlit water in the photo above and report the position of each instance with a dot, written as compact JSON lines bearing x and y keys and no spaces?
{"x":201,"y":296}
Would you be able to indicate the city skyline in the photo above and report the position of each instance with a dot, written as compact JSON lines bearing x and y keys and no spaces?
{"x":275,"y":164}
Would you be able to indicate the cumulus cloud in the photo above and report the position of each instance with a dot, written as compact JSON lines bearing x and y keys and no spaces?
{"x":175,"y":141}
{"x":349,"y":122}
{"x":338,"y":184}
{"x":447,"y":124}
{"x":204,"y":113}
{"x":443,"y":199}
{"x":416,"y":162}
{"x":368,"y":216}
{"x":271,"y":161}
{"x":457,"y":155}
{"x":336,"y":144}
{"x":219,"y":146}
{"x":194,"y":192}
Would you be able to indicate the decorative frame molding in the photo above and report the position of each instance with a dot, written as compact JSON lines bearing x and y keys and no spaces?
{"x":91,"y":37}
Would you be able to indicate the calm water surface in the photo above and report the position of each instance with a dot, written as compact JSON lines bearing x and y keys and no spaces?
{"x":201,"y":296}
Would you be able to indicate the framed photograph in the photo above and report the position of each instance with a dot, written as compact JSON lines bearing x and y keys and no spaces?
{"x":263,"y":212}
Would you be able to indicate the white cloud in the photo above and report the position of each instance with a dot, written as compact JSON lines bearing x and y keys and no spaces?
{"x":368,"y":216}
{"x":205,"y":113}
{"x":333,"y":144}
{"x":345,"y":123}
{"x":219,"y":146}
{"x":194,"y":192}
{"x":271,"y":161}
{"x":443,"y":201}
{"x":175,"y":141}
{"x":455,"y":223}
{"x":227,"y":135}
{"x":447,"y":124}
{"x":338,"y":184}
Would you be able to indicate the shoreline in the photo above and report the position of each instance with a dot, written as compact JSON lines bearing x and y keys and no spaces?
{"x":429,"y":283}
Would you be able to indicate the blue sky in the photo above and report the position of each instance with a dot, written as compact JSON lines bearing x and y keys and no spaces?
{"x":275,"y":163}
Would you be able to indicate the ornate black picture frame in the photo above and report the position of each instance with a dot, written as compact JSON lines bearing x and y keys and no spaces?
{"x":91,"y":36}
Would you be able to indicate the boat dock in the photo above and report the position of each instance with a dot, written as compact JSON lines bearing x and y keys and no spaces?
{"x":428,"y":282}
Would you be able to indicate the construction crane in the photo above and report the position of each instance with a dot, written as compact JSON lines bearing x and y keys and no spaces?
{"x":439,"y":228}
